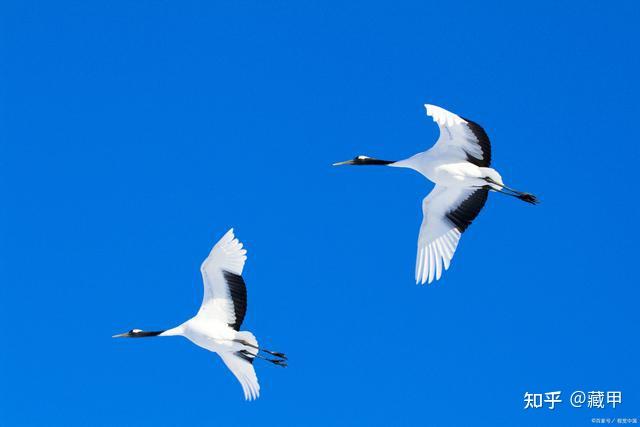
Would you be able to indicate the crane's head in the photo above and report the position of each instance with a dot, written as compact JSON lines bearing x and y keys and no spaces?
{"x":137,"y":333}
{"x":364,"y":160}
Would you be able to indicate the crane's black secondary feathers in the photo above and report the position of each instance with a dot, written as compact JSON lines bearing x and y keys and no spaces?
{"x":468,"y":210}
{"x":482,"y":139}
{"x":238,"y":292}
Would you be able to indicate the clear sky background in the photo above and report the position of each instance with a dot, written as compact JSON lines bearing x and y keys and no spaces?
{"x":133,"y":134}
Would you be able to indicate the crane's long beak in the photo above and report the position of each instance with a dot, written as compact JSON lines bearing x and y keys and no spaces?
{"x":346,"y":162}
{"x":125,"y":335}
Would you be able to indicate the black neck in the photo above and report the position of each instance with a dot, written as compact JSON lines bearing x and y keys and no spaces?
{"x":143,"y":334}
{"x":370,"y":161}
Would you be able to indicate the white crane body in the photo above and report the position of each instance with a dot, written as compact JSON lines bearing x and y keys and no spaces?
{"x":459,"y":165}
{"x":216,"y":326}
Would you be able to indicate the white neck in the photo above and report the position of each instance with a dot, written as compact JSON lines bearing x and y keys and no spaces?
{"x":178,"y":330}
{"x":415,"y":162}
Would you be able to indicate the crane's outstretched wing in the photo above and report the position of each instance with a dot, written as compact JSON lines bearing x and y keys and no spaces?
{"x":242,"y":368}
{"x":225,"y":293}
{"x":447,"y":212}
{"x":460,"y":137}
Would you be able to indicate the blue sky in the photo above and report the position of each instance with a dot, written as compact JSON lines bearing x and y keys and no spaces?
{"x":134,"y":134}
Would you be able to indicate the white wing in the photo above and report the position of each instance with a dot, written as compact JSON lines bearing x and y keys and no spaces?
{"x":460,"y":137}
{"x":447,"y":212}
{"x":225,"y":294}
{"x":242,"y":368}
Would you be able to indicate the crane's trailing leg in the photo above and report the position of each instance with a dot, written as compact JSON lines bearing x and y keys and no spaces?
{"x":273,"y":353}
{"x":249,"y":356}
{"x":526,"y":197}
